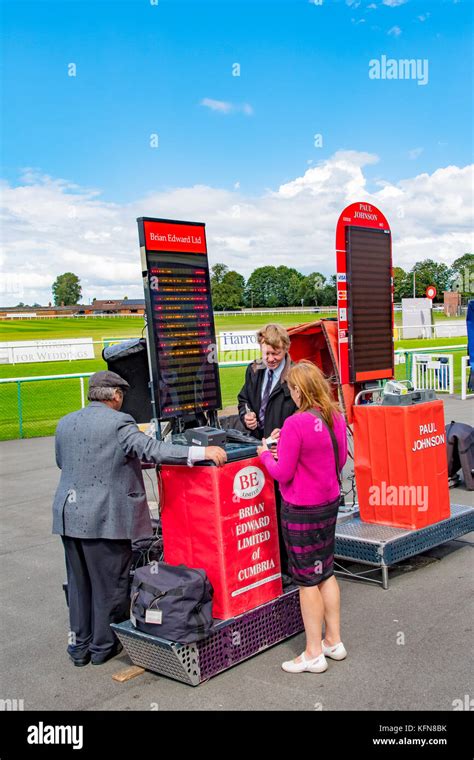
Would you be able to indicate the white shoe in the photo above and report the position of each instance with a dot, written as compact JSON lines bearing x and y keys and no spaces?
{"x":336,"y":652}
{"x":318,"y":665}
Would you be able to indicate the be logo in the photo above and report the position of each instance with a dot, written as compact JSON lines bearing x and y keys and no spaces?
{"x":248,"y":482}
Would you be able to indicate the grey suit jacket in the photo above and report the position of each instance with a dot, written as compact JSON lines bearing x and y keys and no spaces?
{"x":101,"y":493}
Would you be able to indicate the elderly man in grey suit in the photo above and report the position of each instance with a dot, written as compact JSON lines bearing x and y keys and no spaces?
{"x":100,"y":507}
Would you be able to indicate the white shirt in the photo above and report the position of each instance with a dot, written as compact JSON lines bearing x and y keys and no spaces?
{"x":276,"y":376}
{"x":196,"y":454}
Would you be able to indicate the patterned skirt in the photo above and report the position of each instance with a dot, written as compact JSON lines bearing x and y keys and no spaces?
{"x":309,"y":535}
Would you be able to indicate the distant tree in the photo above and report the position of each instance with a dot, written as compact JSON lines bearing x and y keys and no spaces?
{"x":261,"y":288}
{"x":67,"y":289}
{"x":429,"y":272}
{"x":295,"y":282}
{"x":273,"y":287}
{"x":463,"y":275}
{"x":402,"y":284}
{"x":312,"y":289}
{"x":227,"y":288}
{"x":286,"y":288}
{"x":329,"y":293}
{"x":235,"y":280}
{"x":217,"y":273}
{"x":328,"y":296}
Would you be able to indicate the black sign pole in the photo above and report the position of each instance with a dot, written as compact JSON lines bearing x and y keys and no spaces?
{"x":149,"y":330}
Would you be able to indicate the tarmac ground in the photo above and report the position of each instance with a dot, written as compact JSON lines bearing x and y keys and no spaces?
{"x":410,"y":647}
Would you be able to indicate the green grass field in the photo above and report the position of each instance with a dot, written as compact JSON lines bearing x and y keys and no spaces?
{"x":44,"y":402}
{"x":130,"y":327}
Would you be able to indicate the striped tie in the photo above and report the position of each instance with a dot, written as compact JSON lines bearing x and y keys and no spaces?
{"x":265,"y":397}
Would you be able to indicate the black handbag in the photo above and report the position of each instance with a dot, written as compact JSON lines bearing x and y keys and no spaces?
{"x":172,"y":602}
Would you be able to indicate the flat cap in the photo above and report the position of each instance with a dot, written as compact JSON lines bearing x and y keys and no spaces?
{"x":107,"y":379}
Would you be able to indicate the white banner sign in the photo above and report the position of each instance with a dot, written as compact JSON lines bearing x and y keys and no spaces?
{"x":21,"y":315}
{"x":450,"y":329}
{"x":22,"y":352}
{"x":238,"y":340}
{"x":416,"y":317}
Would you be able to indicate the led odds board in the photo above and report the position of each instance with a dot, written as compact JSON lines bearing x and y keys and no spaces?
{"x":364,"y":294}
{"x":180,"y":322}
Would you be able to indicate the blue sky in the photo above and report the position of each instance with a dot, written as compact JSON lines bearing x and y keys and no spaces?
{"x":145,"y":69}
{"x":236,"y":152}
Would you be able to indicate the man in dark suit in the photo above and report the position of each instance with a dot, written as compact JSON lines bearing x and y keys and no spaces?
{"x":100,"y":507}
{"x":265,"y":401}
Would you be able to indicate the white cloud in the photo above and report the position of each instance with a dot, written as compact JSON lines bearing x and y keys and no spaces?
{"x":372,"y":6}
{"x":223,"y":106}
{"x":414,"y":153}
{"x":395,"y":31}
{"x":423,"y":17}
{"x":216,"y":105}
{"x":51,"y":226}
{"x":394,"y":3}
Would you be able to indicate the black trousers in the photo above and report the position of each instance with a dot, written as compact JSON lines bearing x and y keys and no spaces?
{"x":98,"y":592}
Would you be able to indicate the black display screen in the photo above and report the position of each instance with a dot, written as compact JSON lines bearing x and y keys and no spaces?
{"x":181,"y":333}
{"x":369,"y":282}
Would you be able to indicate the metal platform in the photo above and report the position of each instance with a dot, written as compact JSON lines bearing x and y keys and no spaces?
{"x":382,"y":546}
{"x":231,"y":642}
{"x":235,"y":640}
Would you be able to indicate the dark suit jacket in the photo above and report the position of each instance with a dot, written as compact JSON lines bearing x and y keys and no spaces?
{"x":101,"y":493}
{"x":280,"y":404}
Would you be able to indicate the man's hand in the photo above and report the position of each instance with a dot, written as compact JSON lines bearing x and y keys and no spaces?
{"x":216,"y":455}
{"x":250,"y":420}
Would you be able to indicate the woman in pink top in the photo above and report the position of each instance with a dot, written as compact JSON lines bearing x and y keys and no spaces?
{"x":308,"y":475}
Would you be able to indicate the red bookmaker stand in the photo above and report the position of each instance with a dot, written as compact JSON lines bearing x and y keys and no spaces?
{"x":401,"y":465}
{"x":223,"y":519}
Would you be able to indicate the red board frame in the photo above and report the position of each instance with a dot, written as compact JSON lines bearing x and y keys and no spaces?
{"x":182,"y":237}
{"x":354,"y":215}
{"x":166,"y":243}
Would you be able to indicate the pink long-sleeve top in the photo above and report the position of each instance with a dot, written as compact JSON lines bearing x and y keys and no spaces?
{"x":306,"y":469}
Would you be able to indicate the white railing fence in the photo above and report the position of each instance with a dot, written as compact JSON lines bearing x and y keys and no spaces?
{"x":434,"y":372}
{"x":465,"y":373}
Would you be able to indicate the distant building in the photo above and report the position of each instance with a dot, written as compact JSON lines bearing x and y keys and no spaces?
{"x":125,"y":306}
{"x":452,"y":303}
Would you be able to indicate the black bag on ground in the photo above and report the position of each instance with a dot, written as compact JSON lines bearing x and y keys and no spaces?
{"x":460,"y":450}
{"x":172,"y":602}
{"x":148,"y":549}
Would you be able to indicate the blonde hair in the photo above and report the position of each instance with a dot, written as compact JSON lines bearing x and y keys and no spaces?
{"x":315,"y":390}
{"x":274,"y":335}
